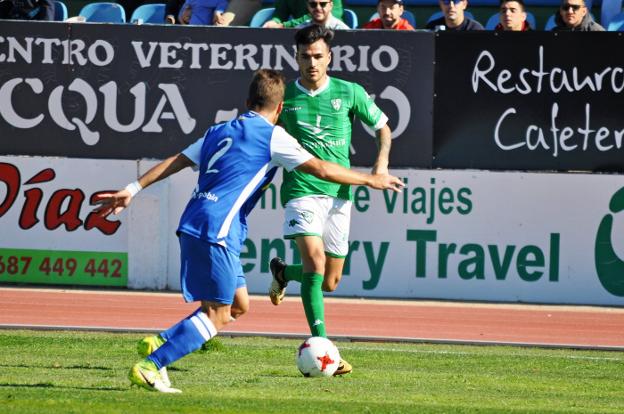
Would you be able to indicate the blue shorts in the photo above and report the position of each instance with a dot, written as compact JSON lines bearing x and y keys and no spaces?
{"x":208,"y":271}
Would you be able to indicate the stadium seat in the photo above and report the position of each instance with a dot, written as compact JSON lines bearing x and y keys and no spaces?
{"x":494,"y":20}
{"x":153,"y":13}
{"x":407,"y":15}
{"x":617,"y":23}
{"x":350,"y":18}
{"x":439,"y":14}
{"x":550,"y":23}
{"x":261,"y":17}
{"x":608,"y":10}
{"x":60,"y":11}
{"x":103,"y":12}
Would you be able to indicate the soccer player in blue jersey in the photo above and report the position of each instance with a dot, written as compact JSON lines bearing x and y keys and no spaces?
{"x":236,"y":161}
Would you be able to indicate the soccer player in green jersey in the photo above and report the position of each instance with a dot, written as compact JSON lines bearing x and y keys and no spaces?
{"x":318,"y":112}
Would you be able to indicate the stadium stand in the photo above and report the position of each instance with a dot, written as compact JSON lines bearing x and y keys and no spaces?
{"x":494,"y":20}
{"x":153,"y":13}
{"x":350,"y":18}
{"x":103,"y":12}
{"x":261,"y":17}
{"x":608,"y":10}
{"x":407,"y":15}
{"x":550,"y":23}
{"x":60,"y":11}
{"x":617,"y":23}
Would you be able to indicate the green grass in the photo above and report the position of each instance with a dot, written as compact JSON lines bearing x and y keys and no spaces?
{"x":81,"y":372}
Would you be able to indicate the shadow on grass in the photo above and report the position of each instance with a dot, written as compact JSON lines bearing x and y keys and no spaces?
{"x":60,"y":387}
{"x":56,"y":366}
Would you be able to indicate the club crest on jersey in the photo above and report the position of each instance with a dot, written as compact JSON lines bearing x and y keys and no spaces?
{"x":336,"y":104}
{"x":307,"y":216}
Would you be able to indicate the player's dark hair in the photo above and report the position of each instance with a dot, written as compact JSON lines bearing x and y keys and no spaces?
{"x":266,"y":90}
{"x":312,"y":33}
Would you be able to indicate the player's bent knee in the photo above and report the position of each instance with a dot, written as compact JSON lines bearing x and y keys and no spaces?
{"x":329,"y":285}
{"x":239,"y":310}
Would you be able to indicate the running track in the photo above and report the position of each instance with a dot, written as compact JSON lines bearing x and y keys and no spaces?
{"x":349,"y":319}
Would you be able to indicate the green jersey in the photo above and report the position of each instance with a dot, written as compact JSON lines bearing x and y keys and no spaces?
{"x":321,"y":121}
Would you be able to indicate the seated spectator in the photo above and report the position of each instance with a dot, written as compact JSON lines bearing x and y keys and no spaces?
{"x":27,"y":10}
{"x":573,"y":16}
{"x":390,"y":12}
{"x":512,"y":16}
{"x":454,"y":18}
{"x":293,"y":9}
{"x":239,"y":12}
{"x":201,"y":12}
{"x":320,"y":13}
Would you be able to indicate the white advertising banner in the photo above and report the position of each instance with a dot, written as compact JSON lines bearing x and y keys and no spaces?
{"x":463,"y":235}
{"x":473,"y":235}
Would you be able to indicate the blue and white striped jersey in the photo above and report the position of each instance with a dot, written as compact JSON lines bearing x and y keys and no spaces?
{"x":237,"y":160}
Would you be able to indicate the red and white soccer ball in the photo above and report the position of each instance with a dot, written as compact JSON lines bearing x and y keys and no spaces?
{"x":317,"y":357}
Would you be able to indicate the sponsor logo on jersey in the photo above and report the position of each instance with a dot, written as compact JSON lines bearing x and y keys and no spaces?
{"x":204,"y":194}
{"x":292,"y":109}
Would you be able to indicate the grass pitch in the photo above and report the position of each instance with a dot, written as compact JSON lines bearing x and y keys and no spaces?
{"x":81,"y":372}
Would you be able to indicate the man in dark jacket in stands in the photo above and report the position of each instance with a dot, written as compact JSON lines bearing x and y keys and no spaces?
{"x":573,"y":16}
{"x":27,"y":9}
{"x":453,"y":17}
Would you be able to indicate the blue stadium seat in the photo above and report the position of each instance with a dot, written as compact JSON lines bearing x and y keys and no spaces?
{"x":439,"y":14}
{"x":608,"y":10}
{"x":60,"y":11}
{"x":261,"y":17}
{"x":407,"y":15}
{"x":153,"y":13}
{"x":617,"y":23}
{"x":103,"y":12}
{"x":550,"y":23}
{"x":350,"y":18}
{"x":494,"y":20}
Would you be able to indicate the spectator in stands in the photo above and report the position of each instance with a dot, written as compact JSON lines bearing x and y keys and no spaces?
{"x":27,"y":9}
{"x":512,"y":16}
{"x":390,"y":12}
{"x":294,"y":9}
{"x":172,"y":10}
{"x":319,"y":13}
{"x":239,"y":12}
{"x":453,"y":17}
{"x":573,"y":16}
{"x":202,"y":12}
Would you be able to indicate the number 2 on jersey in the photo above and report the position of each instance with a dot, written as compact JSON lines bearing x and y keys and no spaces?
{"x":227,"y":143}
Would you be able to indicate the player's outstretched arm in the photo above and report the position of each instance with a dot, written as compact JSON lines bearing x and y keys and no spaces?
{"x":383,"y":139}
{"x":117,"y":201}
{"x":330,"y":171}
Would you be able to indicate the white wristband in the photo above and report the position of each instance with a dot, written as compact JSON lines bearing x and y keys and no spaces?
{"x":133,"y":188}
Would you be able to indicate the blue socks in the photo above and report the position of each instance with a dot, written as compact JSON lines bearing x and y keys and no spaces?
{"x":183,"y":338}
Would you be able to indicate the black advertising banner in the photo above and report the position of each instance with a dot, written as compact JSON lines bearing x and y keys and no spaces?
{"x":529,"y":101}
{"x":130,"y":92}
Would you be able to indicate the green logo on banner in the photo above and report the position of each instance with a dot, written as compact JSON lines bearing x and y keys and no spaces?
{"x":609,"y":266}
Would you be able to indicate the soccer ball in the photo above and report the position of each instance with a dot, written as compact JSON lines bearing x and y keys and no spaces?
{"x":317,"y":357}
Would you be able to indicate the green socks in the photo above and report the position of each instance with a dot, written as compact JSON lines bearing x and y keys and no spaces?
{"x":293,"y":272}
{"x":312,"y":298}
